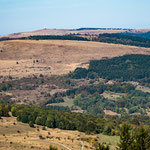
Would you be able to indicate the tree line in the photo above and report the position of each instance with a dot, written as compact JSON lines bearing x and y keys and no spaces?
{"x":109,"y":125}
{"x":133,"y":67}
{"x":123,"y":39}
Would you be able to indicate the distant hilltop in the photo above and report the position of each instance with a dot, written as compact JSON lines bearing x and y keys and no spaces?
{"x":82,"y":31}
{"x":103,"y":29}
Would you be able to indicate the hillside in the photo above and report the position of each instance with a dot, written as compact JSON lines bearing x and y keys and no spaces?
{"x":15,"y":135}
{"x":91,"y":105}
{"x":59,"y":32}
{"x":82,"y":31}
{"x":27,"y":57}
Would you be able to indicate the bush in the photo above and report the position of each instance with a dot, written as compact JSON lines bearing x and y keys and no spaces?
{"x":102,"y":147}
{"x":52,"y":147}
{"x":31,"y":124}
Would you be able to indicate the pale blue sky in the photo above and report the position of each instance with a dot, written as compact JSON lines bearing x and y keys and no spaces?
{"x":29,"y":15}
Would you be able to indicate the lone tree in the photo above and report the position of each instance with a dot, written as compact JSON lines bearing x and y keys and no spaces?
{"x":139,"y":141}
{"x":142,"y":140}
{"x":125,"y":138}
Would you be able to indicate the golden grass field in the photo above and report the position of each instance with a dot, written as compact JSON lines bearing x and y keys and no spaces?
{"x":55,"y":56}
{"x":15,"y":135}
{"x":19,"y":136}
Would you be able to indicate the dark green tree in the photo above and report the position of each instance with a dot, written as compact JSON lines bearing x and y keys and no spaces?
{"x":125,"y":138}
{"x":142,"y":140}
{"x":52,"y":147}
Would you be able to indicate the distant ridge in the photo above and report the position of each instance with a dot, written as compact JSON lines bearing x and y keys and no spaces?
{"x":82,"y":31}
{"x":103,"y":29}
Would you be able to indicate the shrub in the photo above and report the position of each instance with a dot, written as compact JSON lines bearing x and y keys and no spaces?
{"x":31,"y":124}
{"x":53,"y":148}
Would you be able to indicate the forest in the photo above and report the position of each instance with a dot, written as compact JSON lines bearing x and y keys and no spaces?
{"x":57,"y":37}
{"x":133,"y":67}
{"x":145,"y":35}
{"x":90,"y":91}
{"x":71,"y":121}
{"x":124,"y":39}
{"x":48,"y":37}
{"x":96,"y":95}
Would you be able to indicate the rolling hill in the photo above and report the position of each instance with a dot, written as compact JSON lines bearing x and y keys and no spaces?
{"x":82,"y":31}
{"x":28,"y":57}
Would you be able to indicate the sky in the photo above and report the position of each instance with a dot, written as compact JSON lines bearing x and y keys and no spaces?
{"x":28,"y":15}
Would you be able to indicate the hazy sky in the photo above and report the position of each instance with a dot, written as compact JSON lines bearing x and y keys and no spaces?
{"x":28,"y":15}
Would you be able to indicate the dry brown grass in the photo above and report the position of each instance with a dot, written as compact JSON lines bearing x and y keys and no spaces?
{"x":54,"y":56}
{"x":60,"y":32}
{"x":28,"y":138}
{"x":67,"y":31}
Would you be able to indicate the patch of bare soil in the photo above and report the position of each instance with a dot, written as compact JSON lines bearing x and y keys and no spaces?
{"x":111,"y":113}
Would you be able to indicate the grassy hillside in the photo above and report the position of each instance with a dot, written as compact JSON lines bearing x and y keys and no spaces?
{"x":15,"y":135}
{"x":132,"y":39}
{"x":55,"y":57}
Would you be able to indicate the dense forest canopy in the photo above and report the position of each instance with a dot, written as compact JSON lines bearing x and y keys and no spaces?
{"x":48,"y":37}
{"x":145,"y":35}
{"x":129,"y":67}
{"x":123,"y":39}
{"x":71,"y":121}
{"x":126,"y":68}
{"x":57,"y":37}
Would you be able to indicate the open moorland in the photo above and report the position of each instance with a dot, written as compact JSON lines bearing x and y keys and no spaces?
{"x":27,"y":57}
{"x":15,"y":135}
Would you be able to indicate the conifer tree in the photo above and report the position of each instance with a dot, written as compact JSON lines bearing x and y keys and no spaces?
{"x":125,"y":138}
{"x":142,"y":140}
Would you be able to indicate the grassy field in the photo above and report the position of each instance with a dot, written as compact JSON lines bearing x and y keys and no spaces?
{"x":143,"y":88}
{"x":27,"y":57}
{"x":19,"y":136}
{"x":112,"y":140}
{"x":112,"y":95}
{"x":67,"y":102}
